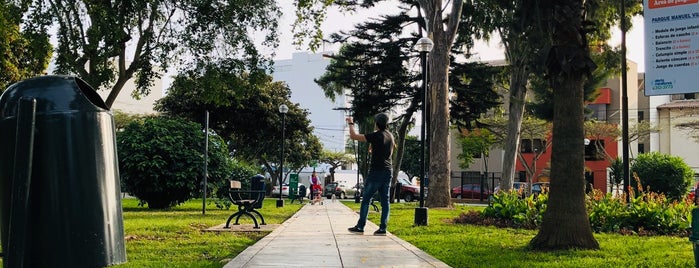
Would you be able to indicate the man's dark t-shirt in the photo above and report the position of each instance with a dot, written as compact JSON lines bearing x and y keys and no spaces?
{"x":381,"y":149}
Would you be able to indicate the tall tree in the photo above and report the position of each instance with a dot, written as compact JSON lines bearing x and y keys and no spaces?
{"x":519,"y":26}
{"x":107,"y":43}
{"x":378,"y":52}
{"x":565,"y":224}
{"x":372,"y":67}
{"x":442,"y":23}
{"x":515,"y":21}
{"x":24,"y":44}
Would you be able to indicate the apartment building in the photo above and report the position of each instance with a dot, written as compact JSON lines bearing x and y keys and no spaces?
{"x":661,"y":111}
{"x":328,"y":122}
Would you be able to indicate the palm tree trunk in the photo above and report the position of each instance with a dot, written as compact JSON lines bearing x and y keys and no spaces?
{"x":566,"y":224}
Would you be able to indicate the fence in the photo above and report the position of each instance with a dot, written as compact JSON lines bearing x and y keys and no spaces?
{"x":488,"y":180}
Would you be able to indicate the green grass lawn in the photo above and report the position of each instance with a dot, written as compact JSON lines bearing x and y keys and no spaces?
{"x":173,"y":238}
{"x":481,"y":246}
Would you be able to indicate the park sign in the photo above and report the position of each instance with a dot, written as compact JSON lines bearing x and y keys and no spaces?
{"x":672,"y":46}
{"x":293,"y":186}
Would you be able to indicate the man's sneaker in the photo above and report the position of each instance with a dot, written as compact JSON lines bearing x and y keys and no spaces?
{"x":355,"y":230}
{"x":381,"y":232}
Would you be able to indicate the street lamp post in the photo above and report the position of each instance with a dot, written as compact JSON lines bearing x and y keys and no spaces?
{"x":283,"y":109}
{"x":424,"y":45}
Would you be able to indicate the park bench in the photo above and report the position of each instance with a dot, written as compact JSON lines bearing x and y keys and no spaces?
{"x":248,"y":199}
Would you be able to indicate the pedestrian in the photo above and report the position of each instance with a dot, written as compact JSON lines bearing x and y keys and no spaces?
{"x":315,"y":186}
{"x":381,"y":146}
{"x":314,"y":178}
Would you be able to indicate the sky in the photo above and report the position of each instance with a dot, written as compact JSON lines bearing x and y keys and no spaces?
{"x":337,"y":21}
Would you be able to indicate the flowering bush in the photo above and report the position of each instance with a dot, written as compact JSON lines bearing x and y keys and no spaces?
{"x":647,"y":213}
{"x":523,"y":212}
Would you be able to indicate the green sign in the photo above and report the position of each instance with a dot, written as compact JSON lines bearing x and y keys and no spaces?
{"x":314,"y":163}
{"x":293,"y":185}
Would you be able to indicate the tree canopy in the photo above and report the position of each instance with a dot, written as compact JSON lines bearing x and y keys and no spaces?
{"x":379,"y":67}
{"x":24,"y":44}
{"x":107,"y":43}
{"x":244,"y":110}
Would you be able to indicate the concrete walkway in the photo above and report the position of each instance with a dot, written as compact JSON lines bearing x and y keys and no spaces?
{"x":317,"y":236}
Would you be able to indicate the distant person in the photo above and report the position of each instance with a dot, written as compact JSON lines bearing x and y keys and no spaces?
{"x":314,"y":178}
{"x":315,"y":184}
{"x":379,"y":177}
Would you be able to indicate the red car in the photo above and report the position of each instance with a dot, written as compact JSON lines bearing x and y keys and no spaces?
{"x":470,"y":191}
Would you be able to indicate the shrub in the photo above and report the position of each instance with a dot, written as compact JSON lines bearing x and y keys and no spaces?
{"x":662,"y":173}
{"x":524,"y":212}
{"x":161,"y":160}
{"x":648,"y":214}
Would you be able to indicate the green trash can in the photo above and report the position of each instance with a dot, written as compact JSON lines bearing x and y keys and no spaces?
{"x":60,"y":202}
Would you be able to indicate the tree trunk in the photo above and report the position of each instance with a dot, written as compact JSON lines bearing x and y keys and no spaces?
{"x":518,"y":93}
{"x":398,"y":157}
{"x":442,"y":30}
{"x":566,"y":224}
{"x":438,"y":133}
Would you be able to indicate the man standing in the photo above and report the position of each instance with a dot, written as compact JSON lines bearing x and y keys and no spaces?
{"x":379,"y":178}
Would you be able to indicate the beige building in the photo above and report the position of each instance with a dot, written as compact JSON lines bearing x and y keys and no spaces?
{"x":673,"y":140}
{"x":128,"y":104}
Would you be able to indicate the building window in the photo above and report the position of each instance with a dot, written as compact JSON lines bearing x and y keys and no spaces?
{"x":525,"y":146}
{"x":640,"y":116}
{"x":641,"y":148}
{"x":594,"y":150}
{"x":598,"y":111}
{"x":689,"y":96}
{"x":532,"y":146}
{"x":523,"y":176}
{"x":539,"y":145}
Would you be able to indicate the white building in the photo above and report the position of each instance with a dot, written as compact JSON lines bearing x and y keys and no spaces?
{"x":299,"y":73}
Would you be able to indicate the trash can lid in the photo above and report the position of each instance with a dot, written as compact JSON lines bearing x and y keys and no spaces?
{"x":53,"y":94}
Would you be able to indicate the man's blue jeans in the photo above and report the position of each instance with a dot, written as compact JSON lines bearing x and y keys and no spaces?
{"x":380,"y":181}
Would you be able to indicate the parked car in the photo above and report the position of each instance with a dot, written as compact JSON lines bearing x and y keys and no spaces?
{"x":408,"y":191}
{"x":540,"y":187}
{"x":470,"y":191}
{"x":519,"y":186}
{"x":516,"y":186}
{"x":329,"y":189}
{"x":342,"y":190}
{"x":285,"y":190}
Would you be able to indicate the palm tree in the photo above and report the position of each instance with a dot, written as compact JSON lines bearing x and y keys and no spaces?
{"x":566,"y":224}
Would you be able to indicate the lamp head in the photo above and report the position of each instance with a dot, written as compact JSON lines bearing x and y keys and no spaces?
{"x":283,"y":109}
{"x":424,"y":44}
